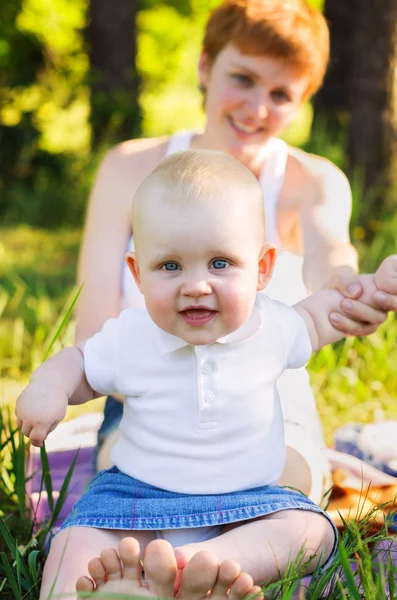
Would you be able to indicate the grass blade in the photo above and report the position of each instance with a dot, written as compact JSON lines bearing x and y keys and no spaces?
{"x":13,"y":548}
{"x":46,"y":475}
{"x":19,"y":471}
{"x":350,"y":582}
{"x":63,"y":492}
{"x":10,"y":576}
{"x":63,"y":322}
{"x":32,"y":563}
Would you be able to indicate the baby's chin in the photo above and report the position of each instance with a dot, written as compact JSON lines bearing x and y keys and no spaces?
{"x":199,"y":338}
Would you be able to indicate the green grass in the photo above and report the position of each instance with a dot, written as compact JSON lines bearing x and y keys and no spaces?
{"x":356,"y":379}
{"x":37,"y":273}
{"x":44,"y":260}
{"x":37,"y":285}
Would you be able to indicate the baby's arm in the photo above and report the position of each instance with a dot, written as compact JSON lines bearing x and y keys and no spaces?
{"x":59,"y":381}
{"x":316,"y":309}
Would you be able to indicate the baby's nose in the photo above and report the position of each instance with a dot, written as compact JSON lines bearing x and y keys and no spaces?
{"x":196,"y":287}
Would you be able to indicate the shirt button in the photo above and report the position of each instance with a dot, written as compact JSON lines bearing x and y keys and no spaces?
{"x":209,"y":396}
{"x":206,"y":369}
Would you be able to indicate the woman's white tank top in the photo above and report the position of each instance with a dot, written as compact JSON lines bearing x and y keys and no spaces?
{"x":286,"y":284}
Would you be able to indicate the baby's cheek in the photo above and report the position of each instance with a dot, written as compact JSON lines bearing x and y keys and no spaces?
{"x":237,"y":310}
{"x":158,"y":310}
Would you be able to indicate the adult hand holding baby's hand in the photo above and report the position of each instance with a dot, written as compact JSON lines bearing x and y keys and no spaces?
{"x":39,"y":409}
{"x":386,"y":277}
{"x":359,"y":315}
{"x":365,"y":307}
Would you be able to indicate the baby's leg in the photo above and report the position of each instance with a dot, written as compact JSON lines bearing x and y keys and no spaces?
{"x":265,"y":547}
{"x":70,"y":553}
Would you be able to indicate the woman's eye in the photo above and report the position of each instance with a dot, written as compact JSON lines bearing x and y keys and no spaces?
{"x":171,"y":266}
{"x":280,"y":96}
{"x":243,"y":79}
{"x":219,"y":263}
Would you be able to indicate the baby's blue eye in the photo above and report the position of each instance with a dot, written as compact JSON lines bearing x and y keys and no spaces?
{"x":220,"y":264}
{"x":170,"y":266}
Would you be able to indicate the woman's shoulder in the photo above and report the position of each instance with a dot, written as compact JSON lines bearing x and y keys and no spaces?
{"x":120,"y":173}
{"x":310,"y":175}
{"x":136,"y":158}
{"x":310,"y":165}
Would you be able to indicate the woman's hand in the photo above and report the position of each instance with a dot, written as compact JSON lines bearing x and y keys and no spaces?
{"x":360,"y":318}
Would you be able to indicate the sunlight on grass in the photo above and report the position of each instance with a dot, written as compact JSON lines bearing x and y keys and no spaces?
{"x":39,"y":258}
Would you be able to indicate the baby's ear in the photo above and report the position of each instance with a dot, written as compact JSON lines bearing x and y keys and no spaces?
{"x":132,"y":262}
{"x":267,"y":259}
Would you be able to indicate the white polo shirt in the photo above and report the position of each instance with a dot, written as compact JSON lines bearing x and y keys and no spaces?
{"x":199,"y":419}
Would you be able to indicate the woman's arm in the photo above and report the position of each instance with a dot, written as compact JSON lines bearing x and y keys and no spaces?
{"x":325,"y":211}
{"x":330,"y":261}
{"x":107,"y":231}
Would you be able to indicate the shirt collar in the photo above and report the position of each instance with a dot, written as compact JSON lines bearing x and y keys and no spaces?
{"x":169,"y":343}
{"x":250,"y":327}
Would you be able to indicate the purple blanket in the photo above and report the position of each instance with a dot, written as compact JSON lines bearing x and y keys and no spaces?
{"x":59,"y":462}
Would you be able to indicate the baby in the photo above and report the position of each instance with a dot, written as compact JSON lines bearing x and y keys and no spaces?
{"x":194,"y":487}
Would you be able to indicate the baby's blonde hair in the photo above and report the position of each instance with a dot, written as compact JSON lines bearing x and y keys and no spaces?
{"x":196,"y":176}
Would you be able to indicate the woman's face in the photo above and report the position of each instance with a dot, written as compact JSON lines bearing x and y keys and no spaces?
{"x":249,"y":99}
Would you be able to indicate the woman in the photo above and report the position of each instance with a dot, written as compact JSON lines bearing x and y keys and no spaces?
{"x":261,"y":60}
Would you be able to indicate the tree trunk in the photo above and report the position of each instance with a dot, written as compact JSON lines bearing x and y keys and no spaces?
{"x":115,"y":113}
{"x":372,"y":101}
{"x":331,"y":101}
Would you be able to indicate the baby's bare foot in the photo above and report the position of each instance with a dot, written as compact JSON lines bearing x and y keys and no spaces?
{"x":203,"y":574}
{"x":122,"y":572}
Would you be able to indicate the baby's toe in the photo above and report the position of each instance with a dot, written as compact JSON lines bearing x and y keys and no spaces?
{"x":243,"y":588}
{"x":130,"y":555}
{"x":84,"y":584}
{"x":228,"y":573}
{"x":199,"y":576}
{"x":111,"y":563}
{"x":160,"y":568}
{"x":97,"y":571}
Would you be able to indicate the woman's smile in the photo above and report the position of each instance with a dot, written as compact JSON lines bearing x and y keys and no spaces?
{"x":243,"y":129}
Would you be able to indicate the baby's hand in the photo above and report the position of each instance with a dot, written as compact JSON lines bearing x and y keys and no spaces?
{"x":386,"y":275}
{"x":39,"y":409}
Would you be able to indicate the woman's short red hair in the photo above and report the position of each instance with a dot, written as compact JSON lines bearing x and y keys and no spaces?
{"x":288,"y":30}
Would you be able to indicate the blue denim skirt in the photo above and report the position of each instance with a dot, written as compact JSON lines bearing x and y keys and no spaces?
{"x":114,"y":500}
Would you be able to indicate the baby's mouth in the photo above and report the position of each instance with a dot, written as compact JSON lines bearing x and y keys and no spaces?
{"x":197,"y":316}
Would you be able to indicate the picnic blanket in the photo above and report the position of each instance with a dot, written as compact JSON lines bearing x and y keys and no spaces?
{"x":364,"y":470}
{"x":359,"y":486}
{"x":70,"y":440}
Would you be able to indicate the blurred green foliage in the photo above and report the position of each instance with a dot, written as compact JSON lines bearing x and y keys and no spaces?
{"x":44,"y":135}
{"x":46,"y":163}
